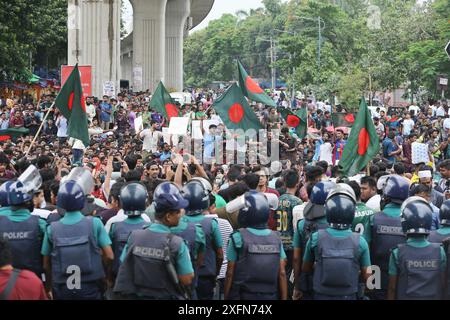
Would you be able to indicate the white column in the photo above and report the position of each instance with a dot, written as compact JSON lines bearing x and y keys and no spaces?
{"x":177,"y":12}
{"x":148,"y":43}
{"x":94,"y":39}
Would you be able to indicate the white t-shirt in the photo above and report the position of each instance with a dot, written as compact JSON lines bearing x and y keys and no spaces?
{"x":440,"y":112}
{"x":151,"y":139}
{"x":374,"y":203}
{"x":447,"y":124}
{"x":326,"y":153}
{"x":408,"y":125}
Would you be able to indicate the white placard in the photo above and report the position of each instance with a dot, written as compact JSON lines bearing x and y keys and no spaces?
{"x":138,"y":124}
{"x":419,"y":153}
{"x":178,"y":126}
{"x":443,"y":81}
{"x":197,"y":130}
{"x":109,"y":88}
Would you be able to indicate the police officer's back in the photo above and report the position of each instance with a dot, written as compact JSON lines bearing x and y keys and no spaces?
{"x":417,"y":267}
{"x":133,"y":199}
{"x":442,"y":235}
{"x":315,"y":219}
{"x":386,"y":227}
{"x":197,"y":193}
{"x":156,"y":263}
{"x":23,"y":231}
{"x":339,"y":254}
{"x":76,"y":245}
{"x":256,"y":258}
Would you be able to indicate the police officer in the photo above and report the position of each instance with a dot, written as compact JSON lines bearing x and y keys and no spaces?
{"x":73,"y":246}
{"x":442,"y":235}
{"x":155,"y":262}
{"x":4,"y":189}
{"x":23,"y":231}
{"x":387,"y":230}
{"x":133,"y":201}
{"x":198,"y":196}
{"x":339,"y":254}
{"x":315,"y":219}
{"x":417,"y":267}
{"x":256,"y":258}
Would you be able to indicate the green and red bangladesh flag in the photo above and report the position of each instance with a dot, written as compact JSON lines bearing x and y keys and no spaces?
{"x":163,"y":103}
{"x":251,"y":90}
{"x":9,"y":133}
{"x":341,"y":119}
{"x":70,"y":103}
{"x":362,"y":145}
{"x":297,"y":120}
{"x":233,"y":109}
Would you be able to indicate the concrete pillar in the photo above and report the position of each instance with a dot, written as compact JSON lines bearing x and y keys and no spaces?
{"x":148,"y":43}
{"x":177,"y":12}
{"x":94,"y":39}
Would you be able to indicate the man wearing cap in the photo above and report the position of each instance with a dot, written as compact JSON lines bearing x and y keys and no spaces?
{"x":426,"y":178}
{"x":156,"y":264}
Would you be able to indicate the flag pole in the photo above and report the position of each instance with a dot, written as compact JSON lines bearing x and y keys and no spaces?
{"x":40,"y":128}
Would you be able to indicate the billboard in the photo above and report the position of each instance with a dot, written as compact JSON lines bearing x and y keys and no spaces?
{"x":86,"y":78}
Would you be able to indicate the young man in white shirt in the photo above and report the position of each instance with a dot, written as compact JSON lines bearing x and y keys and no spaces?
{"x":150,"y":138}
{"x":408,"y":125}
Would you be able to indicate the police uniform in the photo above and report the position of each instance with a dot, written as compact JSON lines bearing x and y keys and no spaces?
{"x":149,"y":278}
{"x":195,"y":239}
{"x":418,"y":265}
{"x":76,"y":240}
{"x":119,"y":233}
{"x":338,"y":277}
{"x":24,"y":233}
{"x":213,"y":239}
{"x":255,"y":249}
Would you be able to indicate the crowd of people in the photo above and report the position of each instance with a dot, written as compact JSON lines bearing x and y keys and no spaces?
{"x":138,"y":217}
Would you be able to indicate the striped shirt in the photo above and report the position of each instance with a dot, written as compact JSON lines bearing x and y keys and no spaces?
{"x":226,"y":230}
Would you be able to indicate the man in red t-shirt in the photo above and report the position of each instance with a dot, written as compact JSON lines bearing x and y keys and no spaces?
{"x":27,"y":285}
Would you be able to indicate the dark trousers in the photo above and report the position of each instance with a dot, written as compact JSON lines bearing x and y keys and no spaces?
{"x":318,"y":296}
{"x":205,"y":288}
{"x":87,"y":291}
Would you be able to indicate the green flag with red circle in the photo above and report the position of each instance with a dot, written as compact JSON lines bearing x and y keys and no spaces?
{"x":251,"y":89}
{"x":163,"y":103}
{"x":363,"y":143}
{"x":233,"y":109}
{"x":70,"y":102}
{"x":297,"y":120}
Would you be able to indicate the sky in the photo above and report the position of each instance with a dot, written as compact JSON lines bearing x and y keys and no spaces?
{"x":219,"y":8}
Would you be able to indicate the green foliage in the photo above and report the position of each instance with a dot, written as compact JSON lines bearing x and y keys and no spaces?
{"x":29,"y":26}
{"x":406,"y":49}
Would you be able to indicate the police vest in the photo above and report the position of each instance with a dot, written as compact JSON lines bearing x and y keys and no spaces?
{"x":309,"y":227}
{"x":122,"y":231}
{"x":208,"y":269}
{"x":25,"y":242}
{"x":256,"y":270}
{"x":75,"y":248}
{"x":387,"y":233}
{"x":337,"y":265}
{"x":436,"y":237}
{"x":144,"y":272}
{"x":419,"y":272}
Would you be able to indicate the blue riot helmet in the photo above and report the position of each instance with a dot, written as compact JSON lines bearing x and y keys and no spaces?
{"x":198,"y":197}
{"x":395,"y":189}
{"x":320,"y":192}
{"x":4,"y":191}
{"x":417,"y":216}
{"x":340,"y":207}
{"x":444,"y":213}
{"x":206,"y":184}
{"x":167,"y":197}
{"x":74,"y":188}
{"x":21,"y":191}
{"x":133,"y":199}
{"x":255,"y":212}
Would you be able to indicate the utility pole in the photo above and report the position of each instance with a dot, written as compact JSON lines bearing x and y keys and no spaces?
{"x":319,"y":45}
{"x":272,"y":61}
